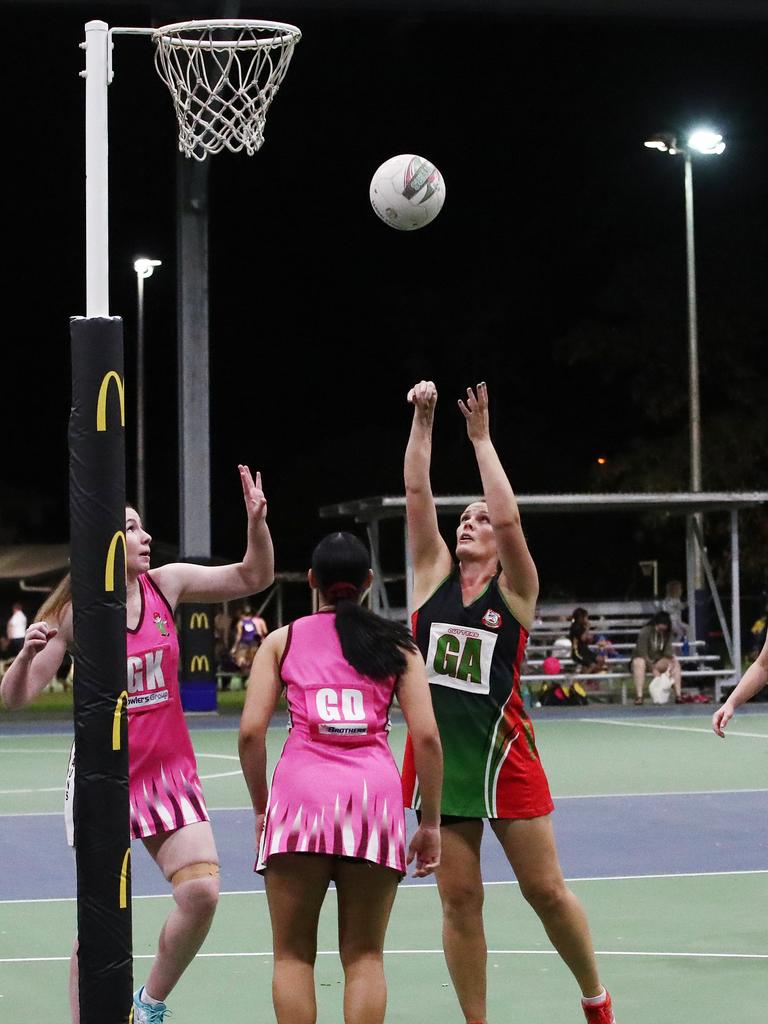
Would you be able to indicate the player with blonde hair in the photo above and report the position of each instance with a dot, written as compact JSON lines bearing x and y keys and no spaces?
{"x":471,"y":625}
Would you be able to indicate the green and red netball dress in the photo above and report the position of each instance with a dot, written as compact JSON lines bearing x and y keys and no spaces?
{"x":473,"y":656}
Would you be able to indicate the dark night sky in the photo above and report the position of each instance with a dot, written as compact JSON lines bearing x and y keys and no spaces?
{"x":558,"y":225}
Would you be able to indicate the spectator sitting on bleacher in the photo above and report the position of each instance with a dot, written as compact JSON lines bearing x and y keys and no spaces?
{"x":586,"y":659}
{"x":653,"y":653}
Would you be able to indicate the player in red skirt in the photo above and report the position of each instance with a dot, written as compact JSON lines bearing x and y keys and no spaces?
{"x":471,"y":625}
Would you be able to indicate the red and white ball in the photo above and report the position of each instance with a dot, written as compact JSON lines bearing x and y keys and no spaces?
{"x":407,"y":192}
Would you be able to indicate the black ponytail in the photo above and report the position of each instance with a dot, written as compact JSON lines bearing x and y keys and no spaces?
{"x":374,"y":646}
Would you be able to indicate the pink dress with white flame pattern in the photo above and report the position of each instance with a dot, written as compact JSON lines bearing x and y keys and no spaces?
{"x":336,"y":788}
{"x":164,"y":788}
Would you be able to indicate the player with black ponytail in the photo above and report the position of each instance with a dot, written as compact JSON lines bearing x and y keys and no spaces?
{"x":334,"y":811}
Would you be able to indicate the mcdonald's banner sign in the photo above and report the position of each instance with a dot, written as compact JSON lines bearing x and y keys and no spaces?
{"x":199,"y":620}
{"x":97,"y":533}
{"x":197,"y":667}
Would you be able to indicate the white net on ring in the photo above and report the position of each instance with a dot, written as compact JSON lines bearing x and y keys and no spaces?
{"x":223,"y":75}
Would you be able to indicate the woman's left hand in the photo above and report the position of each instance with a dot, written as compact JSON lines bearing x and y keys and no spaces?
{"x":255,"y":502}
{"x":425,"y":848}
{"x":475,"y":412}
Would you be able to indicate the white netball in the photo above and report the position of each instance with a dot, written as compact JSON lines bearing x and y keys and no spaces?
{"x":407,"y":192}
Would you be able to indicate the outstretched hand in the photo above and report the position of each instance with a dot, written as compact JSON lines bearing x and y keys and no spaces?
{"x":475,"y":412}
{"x":423,"y":396}
{"x":255,"y":502}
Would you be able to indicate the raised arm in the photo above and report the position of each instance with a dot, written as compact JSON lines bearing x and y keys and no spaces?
{"x":519,"y":580}
{"x":181,"y":582}
{"x":753,"y":680}
{"x":264,"y":685}
{"x":429,"y":553}
{"x":416,"y":704}
{"x":35,"y":665}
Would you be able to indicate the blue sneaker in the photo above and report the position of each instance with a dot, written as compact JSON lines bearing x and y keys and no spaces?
{"x":144,"y":1013}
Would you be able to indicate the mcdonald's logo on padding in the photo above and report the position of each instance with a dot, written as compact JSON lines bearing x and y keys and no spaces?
{"x":198,"y":620}
{"x":122,"y":700}
{"x":101,"y":405}
{"x":200,"y":663}
{"x":123,"y":898}
{"x":109,"y":571}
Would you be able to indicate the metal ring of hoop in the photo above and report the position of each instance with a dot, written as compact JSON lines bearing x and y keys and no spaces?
{"x":171,"y":36}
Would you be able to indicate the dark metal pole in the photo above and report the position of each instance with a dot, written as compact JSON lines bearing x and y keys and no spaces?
{"x":198,"y":670}
{"x":693,"y":335}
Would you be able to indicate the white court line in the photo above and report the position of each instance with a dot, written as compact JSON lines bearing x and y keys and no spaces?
{"x":49,"y":789}
{"x":65,"y":751}
{"x":679,"y":792}
{"x":590,"y":796}
{"x":433,"y":885}
{"x":671,"y":728}
{"x":555,"y":796}
{"x":662,"y":954}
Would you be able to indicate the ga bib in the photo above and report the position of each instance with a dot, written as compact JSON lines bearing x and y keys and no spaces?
{"x":460,"y":657}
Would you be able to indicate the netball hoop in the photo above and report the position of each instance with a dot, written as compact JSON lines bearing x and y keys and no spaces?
{"x":222,"y":76}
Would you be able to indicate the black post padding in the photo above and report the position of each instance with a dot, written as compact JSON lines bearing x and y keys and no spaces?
{"x":97,"y":534}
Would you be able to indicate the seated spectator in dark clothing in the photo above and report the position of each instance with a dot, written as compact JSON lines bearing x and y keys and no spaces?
{"x":586,"y":659}
{"x":653,"y":653}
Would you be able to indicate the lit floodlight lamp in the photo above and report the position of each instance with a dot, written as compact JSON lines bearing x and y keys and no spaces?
{"x":146,"y":268}
{"x":664,"y":142}
{"x":707,"y":142}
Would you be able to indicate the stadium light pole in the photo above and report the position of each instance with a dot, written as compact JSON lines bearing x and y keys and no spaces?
{"x":705,"y":142}
{"x":144,"y":268}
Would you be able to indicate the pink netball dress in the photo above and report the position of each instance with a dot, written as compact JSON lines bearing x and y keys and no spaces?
{"x":336,"y":789}
{"x":164,"y":788}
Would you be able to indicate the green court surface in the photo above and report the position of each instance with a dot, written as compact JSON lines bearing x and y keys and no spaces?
{"x":688,"y":947}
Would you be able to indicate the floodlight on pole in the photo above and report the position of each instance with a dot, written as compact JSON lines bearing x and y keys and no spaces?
{"x":704,"y":142}
{"x":144,"y":268}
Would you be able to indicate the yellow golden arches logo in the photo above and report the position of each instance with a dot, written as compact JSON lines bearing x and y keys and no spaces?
{"x":121,"y":700}
{"x":200,"y":663}
{"x":101,"y":404}
{"x":124,"y":879}
{"x":199,"y":620}
{"x":109,"y":571}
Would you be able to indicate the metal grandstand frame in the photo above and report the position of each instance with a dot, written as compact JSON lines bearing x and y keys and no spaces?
{"x":371,"y":512}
